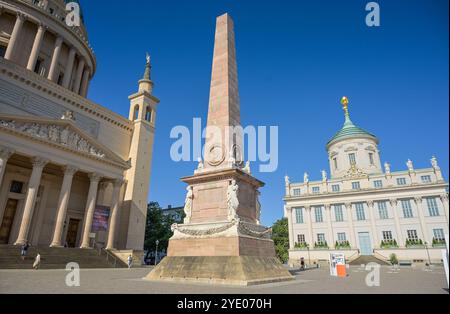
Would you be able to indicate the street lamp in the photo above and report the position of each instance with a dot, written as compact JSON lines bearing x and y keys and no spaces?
{"x":156,"y":251}
{"x":428,"y":253}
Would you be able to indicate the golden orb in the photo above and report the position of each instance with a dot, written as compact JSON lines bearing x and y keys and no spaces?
{"x":345,"y":101}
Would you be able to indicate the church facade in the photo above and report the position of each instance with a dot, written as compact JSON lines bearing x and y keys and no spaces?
{"x":365,"y":208}
{"x":72,"y":172}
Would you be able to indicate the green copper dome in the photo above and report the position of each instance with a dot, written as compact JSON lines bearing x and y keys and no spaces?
{"x":349,"y":130}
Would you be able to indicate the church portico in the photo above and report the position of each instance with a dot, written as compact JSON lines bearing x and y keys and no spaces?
{"x":50,"y":195}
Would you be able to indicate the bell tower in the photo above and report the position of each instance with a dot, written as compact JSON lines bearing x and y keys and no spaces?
{"x":143,"y":107}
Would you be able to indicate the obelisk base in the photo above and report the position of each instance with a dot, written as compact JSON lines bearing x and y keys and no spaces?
{"x":227,"y":270}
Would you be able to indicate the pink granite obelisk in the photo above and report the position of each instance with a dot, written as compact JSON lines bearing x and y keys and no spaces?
{"x":221,"y":240}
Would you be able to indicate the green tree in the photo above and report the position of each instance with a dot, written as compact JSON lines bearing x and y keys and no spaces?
{"x":158,"y":227}
{"x":280,"y":236}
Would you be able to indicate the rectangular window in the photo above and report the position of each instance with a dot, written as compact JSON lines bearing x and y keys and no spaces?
{"x":377,"y":184}
{"x":438,"y":234}
{"x":342,"y":237}
{"x":335,"y":188}
{"x":382,"y":210}
{"x":371,"y":159}
{"x":16,"y":187}
{"x":352,"y":158}
{"x":407,"y":209}
{"x":433,"y":208}
{"x":360,"y":214}
{"x":338,"y":213}
{"x":401,"y":181}
{"x":321,"y":238}
{"x":387,"y":236}
{"x":412,"y":235}
{"x":299,"y":215}
{"x":335,"y":163}
{"x":297,"y":192}
{"x":301,"y":239}
{"x":60,"y":78}
{"x":356,"y":186}
{"x":316,"y":190}
{"x":425,"y":179}
{"x":318,"y":214}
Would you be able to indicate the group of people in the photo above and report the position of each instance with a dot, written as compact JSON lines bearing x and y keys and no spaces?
{"x":24,"y":251}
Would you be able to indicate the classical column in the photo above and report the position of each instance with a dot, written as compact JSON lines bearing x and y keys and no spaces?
{"x":426,"y":237}
{"x":330,"y":226}
{"x":52,"y":73}
{"x":310,"y":228}
{"x":289,"y":213}
{"x":5,"y":154}
{"x":398,"y":229}
{"x":348,"y":206}
{"x":63,"y":202}
{"x":28,"y":209}
{"x":36,"y":47}
{"x":444,"y":200}
{"x":373,"y":224}
{"x":17,"y":30}
{"x":76,"y":86}
{"x":90,"y":208}
{"x":69,"y":68}
{"x":85,"y":82}
{"x":115,"y":207}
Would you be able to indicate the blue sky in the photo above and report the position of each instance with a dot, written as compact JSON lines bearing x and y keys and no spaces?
{"x":296,"y":59}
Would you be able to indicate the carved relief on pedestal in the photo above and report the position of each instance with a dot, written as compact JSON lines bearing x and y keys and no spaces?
{"x":56,"y":134}
{"x":232,"y":200}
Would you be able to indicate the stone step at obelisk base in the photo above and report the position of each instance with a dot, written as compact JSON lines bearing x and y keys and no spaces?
{"x":221,"y":240}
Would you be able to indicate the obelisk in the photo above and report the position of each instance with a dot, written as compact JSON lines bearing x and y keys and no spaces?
{"x":221,"y":240}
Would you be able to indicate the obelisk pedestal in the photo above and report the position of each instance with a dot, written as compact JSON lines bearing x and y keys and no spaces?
{"x":221,"y":240}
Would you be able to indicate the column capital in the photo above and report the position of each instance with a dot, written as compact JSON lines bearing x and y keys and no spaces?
{"x":39,"y":162}
{"x":370,"y":203}
{"x":307,"y":207}
{"x":70,"y":170}
{"x":327,"y":206}
{"x":95,"y":177}
{"x":348,"y":205}
{"x":418,"y":199}
{"x":444,"y":197}
{"x":118,"y":182}
{"x":59,"y":40}
{"x":393,"y":201}
{"x":21,"y":16}
{"x":42,"y":26}
{"x":6,"y":152}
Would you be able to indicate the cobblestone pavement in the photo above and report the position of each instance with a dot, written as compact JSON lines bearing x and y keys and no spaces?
{"x":124,"y":281}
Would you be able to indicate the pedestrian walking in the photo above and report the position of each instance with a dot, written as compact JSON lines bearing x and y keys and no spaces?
{"x":24,"y":250}
{"x":130,"y":261}
{"x":37,"y":261}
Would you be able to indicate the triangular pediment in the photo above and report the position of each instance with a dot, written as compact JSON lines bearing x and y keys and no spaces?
{"x":61,"y":133}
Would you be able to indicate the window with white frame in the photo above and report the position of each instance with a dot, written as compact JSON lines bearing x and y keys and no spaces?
{"x":318,"y":213}
{"x":321,"y":238}
{"x":356,"y":186}
{"x":425,"y":179}
{"x":387,"y":236}
{"x":378,"y":184}
{"x":299,"y":215}
{"x":339,"y":213}
{"x":407,"y":209}
{"x":335,"y":188}
{"x":433,"y":208}
{"x":352,"y":158}
{"x":316,"y":189}
{"x":401,"y":181}
{"x":301,"y":239}
{"x":382,"y":210}
{"x":412,"y":235}
{"x":297,"y":192}
{"x":438,"y":235}
{"x":341,"y":237}
{"x":360,"y":214}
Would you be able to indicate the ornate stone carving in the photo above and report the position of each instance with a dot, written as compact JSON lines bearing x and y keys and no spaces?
{"x":68,"y":115}
{"x":355,"y":173}
{"x":324,"y":176}
{"x":255,"y":231}
{"x":410,"y":165}
{"x":200,"y":164}
{"x":232,"y":200}
{"x":370,"y":203}
{"x":434,"y":163}
{"x":418,"y":200}
{"x":55,"y":134}
{"x":387,"y":168}
{"x":287,"y":180}
{"x":393,"y":202}
{"x":444,"y":198}
{"x":247,"y":168}
{"x":188,"y":204}
{"x":306,"y":178}
{"x":203,"y":232}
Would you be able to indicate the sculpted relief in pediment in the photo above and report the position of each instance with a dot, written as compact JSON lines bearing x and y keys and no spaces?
{"x":62,"y":135}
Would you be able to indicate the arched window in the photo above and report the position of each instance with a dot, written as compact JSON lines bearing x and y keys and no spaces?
{"x":148,"y":114}
{"x":136,"y":112}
